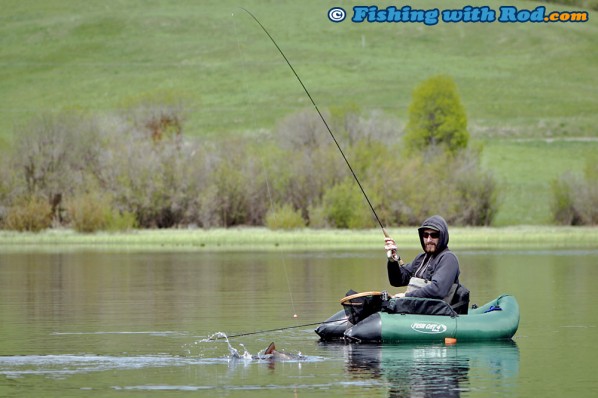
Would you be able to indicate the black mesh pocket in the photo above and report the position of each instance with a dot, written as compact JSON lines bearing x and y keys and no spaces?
{"x":361,"y":306}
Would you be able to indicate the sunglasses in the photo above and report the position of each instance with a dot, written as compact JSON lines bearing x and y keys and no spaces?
{"x":433,"y":235}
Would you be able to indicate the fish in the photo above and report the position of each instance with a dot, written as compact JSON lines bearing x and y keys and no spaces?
{"x":274,"y":355}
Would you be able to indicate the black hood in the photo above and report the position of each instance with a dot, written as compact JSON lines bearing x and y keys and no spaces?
{"x":436,"y":223}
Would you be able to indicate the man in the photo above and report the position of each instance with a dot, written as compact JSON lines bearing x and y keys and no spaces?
{"x":433,"y":273}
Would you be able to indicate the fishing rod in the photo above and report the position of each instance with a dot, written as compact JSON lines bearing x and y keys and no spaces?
{"x":321,"y":117}
{"x":280,"y":329}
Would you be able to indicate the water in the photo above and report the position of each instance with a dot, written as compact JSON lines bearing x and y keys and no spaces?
{"x":103,"y":324}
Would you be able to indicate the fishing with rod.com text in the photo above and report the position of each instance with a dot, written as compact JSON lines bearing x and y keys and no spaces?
{"x":467,"y":14}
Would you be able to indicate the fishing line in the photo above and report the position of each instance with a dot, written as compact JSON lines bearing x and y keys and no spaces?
{"x":321,"y":117}
{"x":284,"y":264}
{"x":264,"y":168}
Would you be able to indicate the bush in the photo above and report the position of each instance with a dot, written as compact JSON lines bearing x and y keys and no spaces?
{"x":345,"y":206}
{"x":303,"y":131}
{"x":158,"y":179}
{"x":436,"y":117}
{"x":91,"y":212}
{"x":32,"y":214}
{"x":575,"y":200}
{"x":284,"y":217}
{"x":476,"y":193}
{"x":317,"y":217}
{"x":410,"y":190}
{"x":88,"y":212}
{"x":306,"y":163}
{"x":231,"y":185}
{"x":149,"y":179}
{"x":56,"y":153}
{"x":120,"y":221}
{"x":563,"y":206}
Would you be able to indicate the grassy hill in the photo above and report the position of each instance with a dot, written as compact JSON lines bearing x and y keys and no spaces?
{"x":517,"y":81}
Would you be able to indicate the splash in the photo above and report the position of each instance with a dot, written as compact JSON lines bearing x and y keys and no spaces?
{"x":233,"y":352}
{"x":269,"y":354}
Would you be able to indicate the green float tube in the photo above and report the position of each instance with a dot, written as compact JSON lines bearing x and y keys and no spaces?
{"x":402,"y":320}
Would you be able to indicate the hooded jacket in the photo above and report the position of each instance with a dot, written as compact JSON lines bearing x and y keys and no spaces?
{"x":441,"y":269}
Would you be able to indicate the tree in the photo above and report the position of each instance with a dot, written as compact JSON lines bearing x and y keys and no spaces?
{"x":436,"y":117}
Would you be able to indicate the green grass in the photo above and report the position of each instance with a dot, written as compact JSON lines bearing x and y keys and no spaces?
{"x":261,"y":239}
{"x":516,"y":80}
{"x":525,"y":169}
{"x":523,"y":78}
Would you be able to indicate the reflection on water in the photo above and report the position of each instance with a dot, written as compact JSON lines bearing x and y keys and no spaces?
{"x":76,"y":322}
{"x":436,"y":370}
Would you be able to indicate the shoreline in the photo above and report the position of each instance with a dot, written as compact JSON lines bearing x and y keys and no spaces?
{"x":262,"y":239}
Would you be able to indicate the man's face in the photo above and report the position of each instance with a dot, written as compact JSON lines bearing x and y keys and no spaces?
{"x":430,"y":238}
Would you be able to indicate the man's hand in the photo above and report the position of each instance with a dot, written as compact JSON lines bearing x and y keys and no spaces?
{"x":399,"y":295}
{"x":391,"y":249}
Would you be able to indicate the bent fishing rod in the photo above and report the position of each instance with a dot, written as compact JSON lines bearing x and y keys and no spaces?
{"x":321,"y":117}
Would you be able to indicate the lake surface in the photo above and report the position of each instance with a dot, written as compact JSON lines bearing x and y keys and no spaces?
{"x":109,"y":324}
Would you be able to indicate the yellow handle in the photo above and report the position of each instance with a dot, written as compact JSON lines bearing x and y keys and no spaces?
{"x":362,"y":294}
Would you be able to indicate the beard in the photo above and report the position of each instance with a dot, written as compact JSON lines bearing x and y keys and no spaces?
{"x":430,"y":248}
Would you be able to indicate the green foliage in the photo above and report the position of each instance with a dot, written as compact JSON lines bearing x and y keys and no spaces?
{"x":409,"y":190}
{"x":87,"y":212}
{"x":230,"y":184}
{"x":344,"y":206}
{"x":120,"y":221}
{"x":436,"y":117}
{"x":31,"y":214}
{"x":92,"y":212}
{"x":369,"y":155}
{"x":66,"y":37}
{"x":132,"y":179}
{"x":317,"y":216}
{"x":284,"y":217}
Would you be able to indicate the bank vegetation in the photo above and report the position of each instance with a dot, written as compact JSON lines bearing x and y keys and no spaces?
{"x":138,"y":169}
